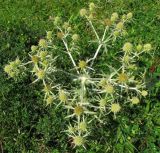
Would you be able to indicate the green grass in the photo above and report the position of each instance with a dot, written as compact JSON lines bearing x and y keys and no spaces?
{"x":26,"y":125}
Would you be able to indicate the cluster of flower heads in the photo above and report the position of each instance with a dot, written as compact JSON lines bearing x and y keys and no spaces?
{"x":92,"y":96}
{"x":14,"y":68}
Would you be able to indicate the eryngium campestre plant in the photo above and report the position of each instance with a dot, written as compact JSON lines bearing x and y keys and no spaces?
{"x":92,"y":95}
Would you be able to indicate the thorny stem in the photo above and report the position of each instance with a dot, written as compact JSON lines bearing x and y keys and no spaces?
{"x":104,"y":33}
{"x":99,"y":47}
{"x":82,"y":93}
{"x":68,"y":52}
{"x":130,"y":88}
{"x":95,"y":55}
{"x":90,"y":22}
{"x":70,"y":55}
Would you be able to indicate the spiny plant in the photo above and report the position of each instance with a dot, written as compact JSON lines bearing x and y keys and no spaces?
{"x":90,"y":95}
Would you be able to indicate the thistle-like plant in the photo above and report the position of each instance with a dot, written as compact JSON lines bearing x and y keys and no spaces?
{"x":90,"y":95}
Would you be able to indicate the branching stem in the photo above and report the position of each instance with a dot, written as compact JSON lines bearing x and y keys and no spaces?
{"x":94,"y":30}
{"x":70,"y":55}
{"x":68,"y":51}
{"x":99,"y":47}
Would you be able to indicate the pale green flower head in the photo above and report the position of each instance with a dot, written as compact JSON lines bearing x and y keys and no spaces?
{"x":128,"y":47}
{"x":114,"y":17}
{"x":78,"y":140}
{"x":83,"y":12}
{"x":147,"y":47}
